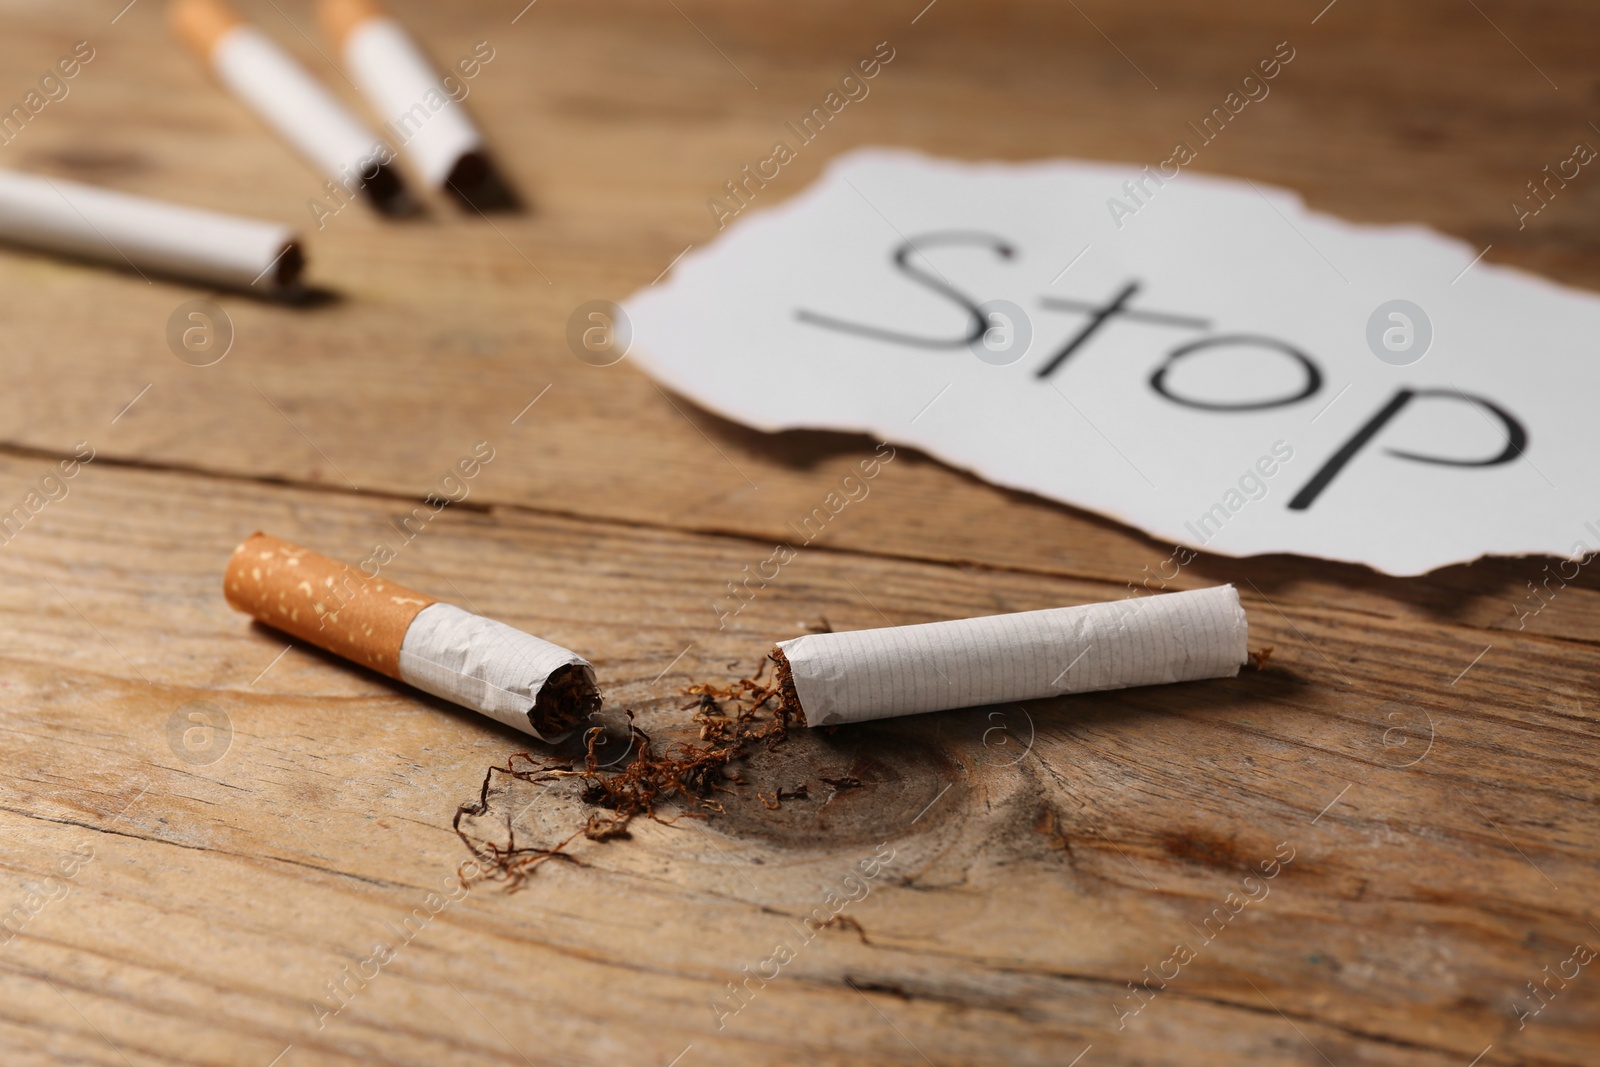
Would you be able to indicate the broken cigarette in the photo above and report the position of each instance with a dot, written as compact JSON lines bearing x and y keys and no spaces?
{"x":80,"y":220}
{"x":409,"y":95}
{"x":514,"y":678}
{"x":903,"y":670}
{"x":285,"y":95}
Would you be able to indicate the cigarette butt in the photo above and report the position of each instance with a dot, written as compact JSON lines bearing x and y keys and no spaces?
{"x":149,"y":235}
{"x":258,"y":71}
{"x":200,"y":24}
{"x":419,"y":111}
{"x":418,"y":107}
{"x":340,"y":18}
{"x":513,"y":677}
{"x":835,"y":678}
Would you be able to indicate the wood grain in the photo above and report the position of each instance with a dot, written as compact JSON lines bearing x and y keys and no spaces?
{"x":1019,"y":904}
{"x":1430,"y":765}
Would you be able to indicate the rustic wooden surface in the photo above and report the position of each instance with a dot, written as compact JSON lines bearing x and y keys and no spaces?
{"x":1431,"y":768}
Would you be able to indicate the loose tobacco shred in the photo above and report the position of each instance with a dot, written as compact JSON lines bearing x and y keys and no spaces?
{"x":567,"y":698}
{"x":784,"y":684}
{"x":730,"y":718}
{"x":845,"y":920}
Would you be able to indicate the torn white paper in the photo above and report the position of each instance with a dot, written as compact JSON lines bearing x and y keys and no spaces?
{"x":1031,"y":655}
{"x":1203,"y":358}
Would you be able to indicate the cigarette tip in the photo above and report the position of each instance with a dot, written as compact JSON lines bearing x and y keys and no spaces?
{"x":340,"y":18}
{"x":285,"y":273}
{"x":388,"y":193}
{"x":478,"y":184}
{"x":200,"y":24}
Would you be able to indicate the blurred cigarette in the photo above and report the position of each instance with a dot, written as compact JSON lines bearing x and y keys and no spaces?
{"x":148,"y":235}
{"x":902,"y":670}
{"x":290,"y":100}
{"x":514,"y":678}
{"x":408,"y":94}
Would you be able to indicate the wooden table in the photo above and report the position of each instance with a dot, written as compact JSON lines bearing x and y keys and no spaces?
{"x":182,"y":896}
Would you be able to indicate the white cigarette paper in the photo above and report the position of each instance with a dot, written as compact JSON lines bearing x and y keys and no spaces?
{"x":482,"y":664}
{"x":410,"y":97}
{"x":305,"y":114}
{"x":1031,"y":655}
{"x":149,"y":235}
{"x":265,"y":76}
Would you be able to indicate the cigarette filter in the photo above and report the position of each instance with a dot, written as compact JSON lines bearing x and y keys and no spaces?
{"x":515,"y":678}
{"x":267,"y":78}
{"x":408,"y":94}
{"x":81,"y":220}
{"x":903,"y":670}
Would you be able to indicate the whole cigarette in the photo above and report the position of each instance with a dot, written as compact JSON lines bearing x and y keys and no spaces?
{"x":149,"y":235}
{"x":267,"y":78}
{"x":902,"y":670}
{"x":407,"y":94}
{"x":514,"y":678}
